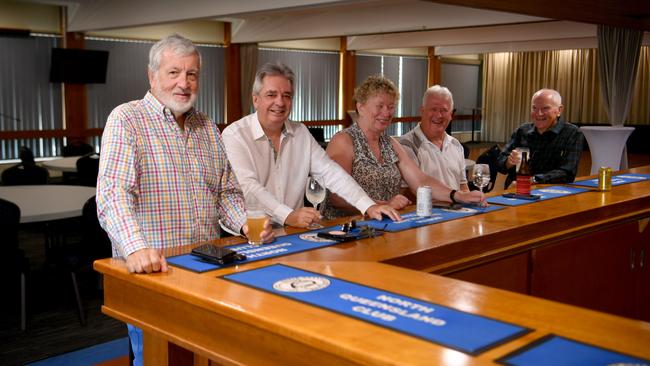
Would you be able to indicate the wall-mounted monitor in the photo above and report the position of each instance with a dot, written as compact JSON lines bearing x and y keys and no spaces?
{"x":70,"y":65}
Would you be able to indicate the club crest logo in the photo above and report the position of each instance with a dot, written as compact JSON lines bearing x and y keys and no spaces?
{"x":301,"y":284}
{"x":313,"y":237}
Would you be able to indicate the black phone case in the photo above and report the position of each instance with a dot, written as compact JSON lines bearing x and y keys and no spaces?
{"x":219,"y":255}
{"x":531,"y":197}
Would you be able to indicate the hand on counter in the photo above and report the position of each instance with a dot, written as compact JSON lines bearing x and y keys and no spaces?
{"x":146,"y":260}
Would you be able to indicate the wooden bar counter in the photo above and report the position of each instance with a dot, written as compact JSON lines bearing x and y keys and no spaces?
{"x":234,"y":324}
{"x":588,"y":249}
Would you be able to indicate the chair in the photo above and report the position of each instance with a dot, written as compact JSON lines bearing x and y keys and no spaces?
{"x":19,"y":175}
{"x":25,"y":173}
{"x":88,"y":169}
{"x":13,"y":263}
{"x":72,"y":258}
{"x":77,"y":148}
{"x":319,"y":135}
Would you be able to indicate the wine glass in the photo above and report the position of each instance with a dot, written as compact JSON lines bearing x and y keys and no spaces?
{"x":481,"y":175}
{"x":315,"y":193}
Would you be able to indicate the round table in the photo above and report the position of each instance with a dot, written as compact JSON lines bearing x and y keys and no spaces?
{"x":47,"y":202}
{"x":68,"y":165}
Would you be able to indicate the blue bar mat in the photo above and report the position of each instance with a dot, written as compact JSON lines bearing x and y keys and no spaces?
{"x":617,"y":180}
{"x":559,"y":351}
{"x":546,"y":193}
{"x":452,"y":328}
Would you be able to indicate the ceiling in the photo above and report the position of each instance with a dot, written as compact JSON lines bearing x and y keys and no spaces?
{"x":446,"y":24}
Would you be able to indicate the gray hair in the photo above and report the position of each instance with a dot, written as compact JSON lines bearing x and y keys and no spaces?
{"x":555,"y":95}
{"x":176,"y":43}
{"x":439,"y":91}
{"x":272,"y":69}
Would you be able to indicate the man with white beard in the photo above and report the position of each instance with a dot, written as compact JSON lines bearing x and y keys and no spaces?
{"x":164,"y":179}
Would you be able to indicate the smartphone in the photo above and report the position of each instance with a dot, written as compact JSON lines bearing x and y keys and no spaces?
{"x":338,"y":235}
{"x":447,"y":206}
{"x":529,"y":197}
{"x":216,"y":254}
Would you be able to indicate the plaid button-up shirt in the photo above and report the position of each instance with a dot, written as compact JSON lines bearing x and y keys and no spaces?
{"x":554,"y":155}
{"x":160,"y":186}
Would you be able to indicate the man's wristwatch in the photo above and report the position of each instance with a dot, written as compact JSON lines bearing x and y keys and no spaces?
{"x":452,"y":196}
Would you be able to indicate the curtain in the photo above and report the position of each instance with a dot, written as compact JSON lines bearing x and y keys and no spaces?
{"x":618,"y":58}
{"x":511,"y":78}
{"x":409,"y":74}
{"x":126,"y":78}
{"x":248,"y":53}
{"x":640,"y":107}
{"x":316,"y":86}
{"x":28,"y":100}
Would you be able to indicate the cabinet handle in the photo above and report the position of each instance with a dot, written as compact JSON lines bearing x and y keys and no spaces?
{"x":632,"y":259}
{"x":641,"y":258}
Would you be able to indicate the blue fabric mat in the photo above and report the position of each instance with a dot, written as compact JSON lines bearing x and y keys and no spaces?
{"x":559,"y":351}
{"x":283,"y":245}
{"x":411,"y":220}
{"x":466,"y":332}
{"x":545,"y":193}
{"x":617,"y":180}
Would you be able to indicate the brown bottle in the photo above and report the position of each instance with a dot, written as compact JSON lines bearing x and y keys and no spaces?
{"x":524,"y":175}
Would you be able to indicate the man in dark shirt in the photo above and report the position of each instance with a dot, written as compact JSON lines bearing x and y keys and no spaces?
{"x":555,"y":146}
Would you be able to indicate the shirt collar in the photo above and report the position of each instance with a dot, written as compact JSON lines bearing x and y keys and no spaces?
{"x":258,"y":132}
{"x":423,"y":137}
{"x":557,"y":127}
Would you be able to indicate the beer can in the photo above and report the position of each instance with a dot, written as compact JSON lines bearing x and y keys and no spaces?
{"x":424,"y":204}
{"x":604,"y":178}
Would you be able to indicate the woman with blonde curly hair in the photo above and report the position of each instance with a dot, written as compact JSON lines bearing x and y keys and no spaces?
{"x":377,"y":161}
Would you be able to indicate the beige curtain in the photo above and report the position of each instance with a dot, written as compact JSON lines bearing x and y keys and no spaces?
{"x":640,"y":108}
{"x":248,"y":62}
{"x":511,"y":78}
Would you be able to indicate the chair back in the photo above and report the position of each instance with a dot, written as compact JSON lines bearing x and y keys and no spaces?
{"x":88,"y":169}
{"x":21,"y":174}
{"x":77,"y":148}
{"x":9,"y":221}
{"x":93,"y":236}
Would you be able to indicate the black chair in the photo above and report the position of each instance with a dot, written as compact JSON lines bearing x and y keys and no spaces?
{"x":88,"y":169}
{"x":72,"y":258}
{"x":77,"y":148}
{"x":25,"y":173}
{"x":19,"y":175}
{"x":14,"y":266}
{"x":319,"y":135}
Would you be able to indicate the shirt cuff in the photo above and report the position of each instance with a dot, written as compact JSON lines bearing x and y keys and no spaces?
{"x":364,"y":203}
{"x":281,"y":212}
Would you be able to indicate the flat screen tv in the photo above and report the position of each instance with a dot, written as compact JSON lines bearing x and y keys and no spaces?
{"x":78,"y":66}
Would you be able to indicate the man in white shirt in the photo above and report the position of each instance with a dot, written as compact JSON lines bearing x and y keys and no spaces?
{"x":272,"y":157}
{"x":435,"y":152}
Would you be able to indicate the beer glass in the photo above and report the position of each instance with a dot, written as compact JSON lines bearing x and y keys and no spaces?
{"x":255,"y":218}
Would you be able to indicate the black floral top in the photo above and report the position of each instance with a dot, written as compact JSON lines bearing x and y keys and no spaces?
{"x":380,"y":180}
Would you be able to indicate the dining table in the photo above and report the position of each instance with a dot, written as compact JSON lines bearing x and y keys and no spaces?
{"x":66,"y":164}
{"x":48,"y":202}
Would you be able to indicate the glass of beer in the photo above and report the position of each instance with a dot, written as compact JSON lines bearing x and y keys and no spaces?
{"x":255,"y":218}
